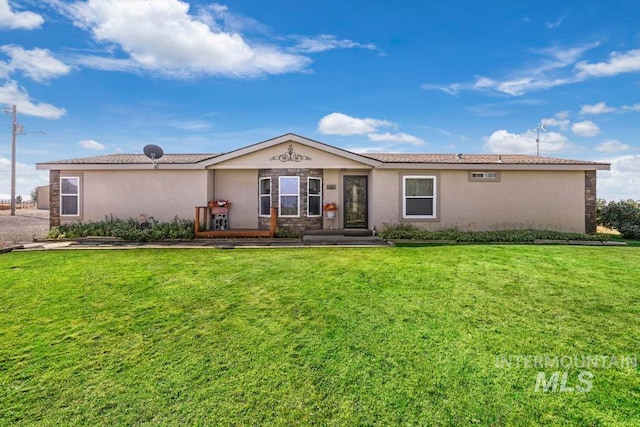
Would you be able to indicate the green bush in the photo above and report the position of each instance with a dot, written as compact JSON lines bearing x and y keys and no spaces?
{"x":127,"y":229}
{"x":410,"y":232}
{"x":623,"y":216}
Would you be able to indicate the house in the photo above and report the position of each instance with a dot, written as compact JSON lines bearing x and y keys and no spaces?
{"x":297,"y":175}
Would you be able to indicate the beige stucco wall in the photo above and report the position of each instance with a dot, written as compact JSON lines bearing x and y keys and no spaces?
{"x":162,"y":194}
{"x":240,"y":187}
{"x":43,"y":197}
{"x":522,"y":199}
{"x":262,"y":159}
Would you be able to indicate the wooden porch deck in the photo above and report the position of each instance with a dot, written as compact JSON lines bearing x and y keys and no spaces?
{"x":201,"y":232}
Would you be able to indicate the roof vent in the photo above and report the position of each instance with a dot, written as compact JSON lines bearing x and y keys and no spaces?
{"x":459,"y":156}
{"x":500,"y":159}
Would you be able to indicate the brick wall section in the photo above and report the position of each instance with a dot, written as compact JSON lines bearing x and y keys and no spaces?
{"x":297,"y":225}
{"x":54,"y":198}
{"x":590,"y":210}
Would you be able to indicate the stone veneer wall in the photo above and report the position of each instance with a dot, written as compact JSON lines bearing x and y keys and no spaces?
{"x":54,"y":198}
{"x":590,"y":209}
{"x":302,"y":223}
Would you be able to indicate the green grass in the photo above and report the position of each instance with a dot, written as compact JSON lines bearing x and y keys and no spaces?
{"x":322,"y":336}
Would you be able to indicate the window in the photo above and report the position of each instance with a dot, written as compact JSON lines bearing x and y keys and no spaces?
{"x":314,"y":197}
{"x":289,"y":196}
{"x":70,"y":196}
{"x":265,"y":196}
{"x":419,"y":200}
{"x":484,"y":176}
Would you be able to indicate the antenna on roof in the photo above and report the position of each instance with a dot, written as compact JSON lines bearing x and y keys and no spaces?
{"x":538,"y":129}
{"x":154,"y":153}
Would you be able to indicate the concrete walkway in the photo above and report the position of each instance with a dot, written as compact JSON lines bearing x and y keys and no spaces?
{"x":113,"y":243}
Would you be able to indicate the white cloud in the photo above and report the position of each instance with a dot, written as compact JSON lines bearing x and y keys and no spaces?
{"x":599,"y":108}
{"x":27,"y":178}
{"x":38,"y":64}
{"x":542,"y":76}
{"x":90,"y":144}
{"x":612,"y":146}
{"x":326,"y":42}
{"x":563,"y":124}
{"x":163,"y":37}
{"x":558,"y":67}
{"x":586,"y":128}
{"x":452,"y":89}
{"x":341,"y":124}
{"x":622,"y":181}
{"x":554,"y":24}
{"x":399,"y":137}
{"x":618,"y":63}
{"x":635,"y":107}
{"x":18,"y":20}
{"x":11,"y":93}
{"x":502,"y":141}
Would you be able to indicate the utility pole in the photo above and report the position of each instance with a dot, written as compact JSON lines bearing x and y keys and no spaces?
{"x":16,"y":129}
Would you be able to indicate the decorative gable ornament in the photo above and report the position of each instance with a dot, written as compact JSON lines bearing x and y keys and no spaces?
{"x":290,"y":156}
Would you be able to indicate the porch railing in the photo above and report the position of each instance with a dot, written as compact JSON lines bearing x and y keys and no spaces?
{"x":202,"y":226}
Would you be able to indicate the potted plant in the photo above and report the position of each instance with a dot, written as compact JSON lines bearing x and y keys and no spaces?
{"x":331,"y":209}
{"x":219,"y":206}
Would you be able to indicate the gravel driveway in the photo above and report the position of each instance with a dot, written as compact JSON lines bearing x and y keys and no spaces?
{"x":22,"y":227}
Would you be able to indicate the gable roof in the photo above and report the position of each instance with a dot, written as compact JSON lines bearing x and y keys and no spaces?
{"x":382,"y":160}
{"x":292,"y":137}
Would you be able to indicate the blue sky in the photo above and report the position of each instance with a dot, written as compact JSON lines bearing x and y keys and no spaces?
{"x":106,"y":76}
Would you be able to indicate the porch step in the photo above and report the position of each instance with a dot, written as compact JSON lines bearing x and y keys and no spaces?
{"x":347,"y":232}
{"x":333,"y":239}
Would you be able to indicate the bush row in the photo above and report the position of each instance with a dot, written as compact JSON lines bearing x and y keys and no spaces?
{"x":127,"y":229}
{"x":410,"y":232}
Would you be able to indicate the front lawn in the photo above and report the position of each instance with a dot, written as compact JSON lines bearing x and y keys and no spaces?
{"x":322,"y":336}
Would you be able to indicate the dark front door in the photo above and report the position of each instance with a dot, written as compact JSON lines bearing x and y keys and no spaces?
{"x":355,"y":201}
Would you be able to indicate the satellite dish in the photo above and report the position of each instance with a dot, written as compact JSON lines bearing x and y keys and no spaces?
{"x":154,"y":153}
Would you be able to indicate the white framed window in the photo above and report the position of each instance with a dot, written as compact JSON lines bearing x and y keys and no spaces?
{"x":289,"y":196}
{"x":70,"y":196}
{"x":264,"y":192}
{"x":314,"y":197}
{"x":419,"y":196}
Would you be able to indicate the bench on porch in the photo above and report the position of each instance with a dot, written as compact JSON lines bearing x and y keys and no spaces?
{"x":203,"y":221}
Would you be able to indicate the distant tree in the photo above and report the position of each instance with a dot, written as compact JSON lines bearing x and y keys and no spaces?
{"x":34,"y":195}
{"x":624,"y":216}
{"x":600,"y":205}
{"x":18,"y":199}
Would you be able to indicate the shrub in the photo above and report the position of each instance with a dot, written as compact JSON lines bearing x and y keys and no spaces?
{"x":127,"y":229}
{"x":410,"y":232}
{"x":624,"y":216}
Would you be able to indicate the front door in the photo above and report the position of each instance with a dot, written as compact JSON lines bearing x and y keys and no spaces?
{"x":355,"y":201}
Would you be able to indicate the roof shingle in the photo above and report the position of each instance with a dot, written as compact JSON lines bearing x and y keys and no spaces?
{"x":511,"y":159}
{"x":134,"y":159}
